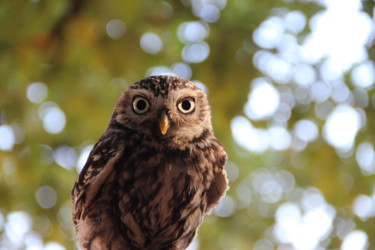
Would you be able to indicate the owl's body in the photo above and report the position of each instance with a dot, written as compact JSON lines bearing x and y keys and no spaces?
{"x":154,"y":173}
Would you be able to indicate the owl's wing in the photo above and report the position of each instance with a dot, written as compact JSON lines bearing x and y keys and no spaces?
{"x":100,"y":164}
{"x":219,"y":184}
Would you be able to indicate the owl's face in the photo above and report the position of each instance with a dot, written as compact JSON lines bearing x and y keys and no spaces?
{"x":172,"y":110}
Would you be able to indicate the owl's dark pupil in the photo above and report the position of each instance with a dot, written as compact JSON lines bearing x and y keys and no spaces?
{"x":141,"y":105}
{"x":186,"y":105}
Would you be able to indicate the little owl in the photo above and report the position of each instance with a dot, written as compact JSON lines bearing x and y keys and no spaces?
{"x":154,"y":173}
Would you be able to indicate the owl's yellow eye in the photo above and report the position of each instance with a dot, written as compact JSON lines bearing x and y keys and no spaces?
{"x":186,"y":106}
{"x":140,"y":105}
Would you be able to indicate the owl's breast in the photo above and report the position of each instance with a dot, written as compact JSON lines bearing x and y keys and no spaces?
{"x":165,"y":195}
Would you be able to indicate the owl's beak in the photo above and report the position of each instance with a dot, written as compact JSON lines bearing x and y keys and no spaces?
{"x":164,"y":123}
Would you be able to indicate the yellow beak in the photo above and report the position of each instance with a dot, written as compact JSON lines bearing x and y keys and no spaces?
{"x":164,"y":123}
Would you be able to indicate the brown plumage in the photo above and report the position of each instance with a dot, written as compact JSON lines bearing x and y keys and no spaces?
{"x":154,"y":173}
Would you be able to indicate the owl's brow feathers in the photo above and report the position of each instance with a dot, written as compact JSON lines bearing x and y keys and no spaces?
{"x":161,"y":85}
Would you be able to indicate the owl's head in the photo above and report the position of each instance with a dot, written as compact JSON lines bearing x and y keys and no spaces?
{"x":169,"y":109}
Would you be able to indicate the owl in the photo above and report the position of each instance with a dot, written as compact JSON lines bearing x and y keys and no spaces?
{"x":154,"y":173}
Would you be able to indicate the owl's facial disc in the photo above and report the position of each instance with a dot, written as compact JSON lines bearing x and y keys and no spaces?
{"x":170,"y":114}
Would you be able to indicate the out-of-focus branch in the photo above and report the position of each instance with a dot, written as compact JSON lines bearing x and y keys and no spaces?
{"x":55,"y":37}
{"x":73,"y":10}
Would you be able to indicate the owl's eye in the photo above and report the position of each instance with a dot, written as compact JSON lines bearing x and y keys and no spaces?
{"x":186,"y":106}
{"x":140,"y":105}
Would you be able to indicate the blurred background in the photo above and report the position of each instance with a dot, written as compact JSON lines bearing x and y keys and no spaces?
{"x":291,"y":84}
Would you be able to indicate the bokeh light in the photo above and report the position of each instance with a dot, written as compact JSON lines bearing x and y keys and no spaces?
{"x":37,"y":92}
{"x":159,"y":70}
{"x":365,"y":157}
{"x":53,"y":117}
{"x":263,"y":100}
{"x":196,"y":52}
{"x":363,"y":75}
{"x":303,"y":229}
{"x":151,"y":43}
{"x":226,"y":207}
{"x":16,"y":227}
{"x":306,"y":130}
{"x":192,"y":32}
{"x":364,"y":207}
{"x":83,"y":157}
{"x":253,"y":139}
{"x":340,"y":47}
{"x":342,"y":126}
{"x":315,"y":64}
{"x":182,"y":69}
{"x":46,"y":196}
{"x":53,"y":246}
{"x":356,"y":240}
{"x":270,"y":33}
{"x":8,"y":138}
{"x":115,"y":28}
{"x":66,"y":157}
{"x":208,"y":10}
{"x":295,"y":21}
